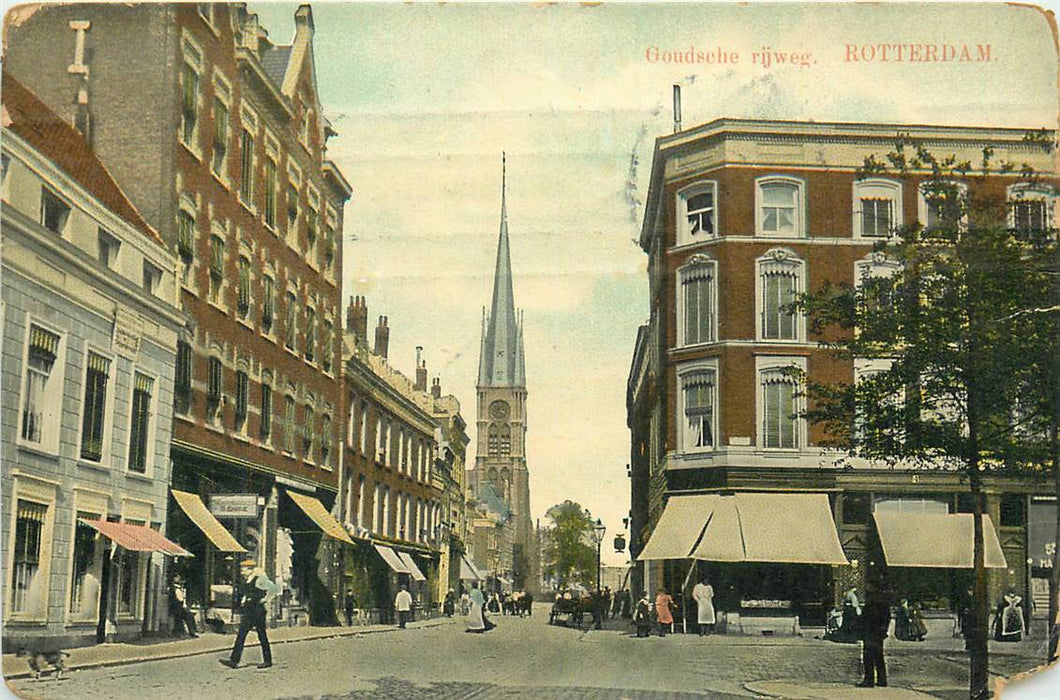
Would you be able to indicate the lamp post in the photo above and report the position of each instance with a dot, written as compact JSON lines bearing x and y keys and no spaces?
{"x":598,"y":536}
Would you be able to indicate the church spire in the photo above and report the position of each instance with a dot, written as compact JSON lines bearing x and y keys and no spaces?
{"x":499,"y":363}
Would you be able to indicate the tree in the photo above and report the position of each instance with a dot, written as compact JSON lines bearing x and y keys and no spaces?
{"x":945,"y":342}
{"x":569,"y":557}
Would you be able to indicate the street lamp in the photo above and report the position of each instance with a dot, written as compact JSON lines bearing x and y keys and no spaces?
{"x":598,"y":537}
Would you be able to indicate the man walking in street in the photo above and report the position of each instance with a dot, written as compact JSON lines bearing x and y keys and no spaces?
{"x":875,"y":619}
{"x":256,"y":590}
{"x":403,"y":605}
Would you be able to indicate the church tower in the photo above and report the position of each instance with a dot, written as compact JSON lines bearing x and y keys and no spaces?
{"x":500,"y":472}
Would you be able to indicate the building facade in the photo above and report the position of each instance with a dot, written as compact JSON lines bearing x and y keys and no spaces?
{"x":392,"y":500}
{"x":741,"y":217}
{"x":500,"y":472}
{"x":218,"y":137}
{"x":90,"y":322}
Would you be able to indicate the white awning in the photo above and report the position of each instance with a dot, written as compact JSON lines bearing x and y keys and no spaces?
{"x":468,"y":572}
{"x":679,"y":527}
{"x":392,"y":559}
{"x":785,"y":528}
{"x":936,"y":540}
{"x":410,"y":564}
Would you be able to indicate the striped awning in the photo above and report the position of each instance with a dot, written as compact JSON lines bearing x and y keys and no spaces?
{"x":199,"y":514}
{"x":43,"y":341}
{"x":320,"y":515}
{"x":392,"y":559}
{"x":410,"y":564}
{"x":137,"y":538}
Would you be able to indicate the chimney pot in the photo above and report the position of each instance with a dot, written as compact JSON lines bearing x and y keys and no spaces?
{"x":436,"y":388}
{"x":382,"y":338}
{"x":421,"y":371}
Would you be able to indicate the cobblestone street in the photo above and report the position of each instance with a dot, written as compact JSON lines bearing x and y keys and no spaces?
{"x":526,"y":658}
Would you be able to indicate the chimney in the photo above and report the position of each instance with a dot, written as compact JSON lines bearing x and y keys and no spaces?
{"x":357,"y":318}
{"x":436,"y":387}
{"x":382,"y":338}
{"x":677,"y":108}
{"x":421,"y":371}
{"x":82,"y":115}
{"x":303,"y":22}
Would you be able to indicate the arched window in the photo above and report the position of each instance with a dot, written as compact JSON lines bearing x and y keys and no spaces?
{"x":506,"y":440}
{"x":493,"y":444}
{"x":780,"y":207}
{"x":779,"y":282}
{"x":698,"y":300}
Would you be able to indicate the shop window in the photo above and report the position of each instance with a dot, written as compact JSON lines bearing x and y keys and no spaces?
{"x":85,"y":570}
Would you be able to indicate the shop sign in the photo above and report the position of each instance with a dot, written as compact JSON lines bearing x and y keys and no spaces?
{"x":1041,"y":533}
{"x":234,"y":505}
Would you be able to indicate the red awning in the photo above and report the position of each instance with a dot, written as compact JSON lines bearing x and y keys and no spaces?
{"x":137,"y":538}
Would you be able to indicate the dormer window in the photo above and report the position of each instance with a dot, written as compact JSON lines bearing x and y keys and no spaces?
{"x":109,"y":246}
{"x":54,"y":212}
{"x":697,"y":213}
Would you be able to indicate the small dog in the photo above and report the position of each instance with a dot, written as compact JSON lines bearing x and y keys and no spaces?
{"x":39,"y":660}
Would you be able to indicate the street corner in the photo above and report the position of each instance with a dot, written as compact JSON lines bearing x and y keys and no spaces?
{"x":797,"y":690}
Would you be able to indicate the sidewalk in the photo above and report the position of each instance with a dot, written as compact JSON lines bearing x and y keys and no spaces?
{"x":102,"y":655}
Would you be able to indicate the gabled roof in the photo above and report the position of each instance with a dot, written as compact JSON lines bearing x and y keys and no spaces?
{"x":26,"y":116}
{"x":274,"y":62}
{"x":493,"y":501}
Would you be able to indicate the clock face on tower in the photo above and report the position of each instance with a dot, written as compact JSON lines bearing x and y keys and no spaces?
{"x":499,"y":410}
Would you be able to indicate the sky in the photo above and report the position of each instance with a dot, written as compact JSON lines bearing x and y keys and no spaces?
{"x":426,"y":97}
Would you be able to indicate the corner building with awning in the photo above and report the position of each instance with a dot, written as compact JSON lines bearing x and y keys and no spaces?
{"x":741,"y":216}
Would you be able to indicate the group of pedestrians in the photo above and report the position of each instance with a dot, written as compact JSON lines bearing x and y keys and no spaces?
{"x":661,"y":613}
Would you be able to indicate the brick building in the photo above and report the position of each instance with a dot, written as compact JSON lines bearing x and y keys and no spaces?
{"x":392,"y":499}
{"x":742,"y":216}
{"x":218,"y":137}
{"x":89,"y":321}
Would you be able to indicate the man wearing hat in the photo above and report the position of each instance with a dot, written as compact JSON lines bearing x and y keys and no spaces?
{"x":256,"y":589}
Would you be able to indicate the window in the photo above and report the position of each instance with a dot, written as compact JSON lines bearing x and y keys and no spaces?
{"x":329,"y":246}
{"x":942,"y":204}
{"x":246,"y":168}
{"x":326,"y":350}
{"x":291,"y":330}
{"x":697,"y":290}
{"x":189,"y":104}
{"x":779,"y":423}
{"x":54,"y":212}
{"x":380,"y":439}
{"x":26,"y":561}
{"x":506,"y":440}
{"x":493,"y":440}
{"x":364,"y":429}
{"x":206,"y":10}
{"x":857,"y":508}
{"x":40,"y":397}
{"x":93,"y":411}
{"x":696,"y":213}
{"x":217,"y":265}
{"x":1030,"y":208}
{"x":698,"y":395}
{"x":1013,"y":508}
{"x":108,"y":249}
{"x":85,"y":570}
{"x":310,"y":335}
{"x":152,"y":278}
{"x":325,"y":439}
{"x":126,"y":568}
{"x":270,"y":193}
{"x":140,"y":424}
{"x":877,"y":207}
{"x":182,"y":378}
{"x":873,"y":281}
{"x":288,"y":424}
{"x":1028,"y":216}
{"x":265,"y":429}
{"x":220,"y":137}
{"x":779,"y":207}
{"x":307,"y":432}
{"x":268,"y":306}
{"x":215,"y":387}
{"x":779,"y":284}
{"x":243,"y":302}
{"x":292,"y":207}
{"x":186,"y":235}
{"x":311,"y":220}
{"x":242,"y":397}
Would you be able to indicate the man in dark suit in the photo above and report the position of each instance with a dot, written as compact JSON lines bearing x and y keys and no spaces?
{"x":874,"y":621}
{"x":256,"y":588}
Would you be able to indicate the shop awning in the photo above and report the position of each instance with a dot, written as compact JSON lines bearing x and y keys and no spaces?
{"x":779,"y":528}
{"x":679,"y":527}
{"x":468,"y":572}
{"x":199,"y":514}
{"x":137,"y":538}
{"x":392,"y":559}
{"x":320,"y":515}
{"x":410,"y":564}
{"x":783,"y":528}
{"x":937,"y":540}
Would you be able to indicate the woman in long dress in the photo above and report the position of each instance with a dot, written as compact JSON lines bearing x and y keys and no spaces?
{"x":475,"y":621}
{"x":664,"y":611}
{"x":703,"y":594}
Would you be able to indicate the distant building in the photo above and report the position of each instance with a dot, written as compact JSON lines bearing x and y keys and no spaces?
{"x":90,"y":324}
{"x":217,"y":135}
{"x":392,"y":498}
{"x":451,"y":478}
{"x":741,"y":217}
{"x":500,"y":479}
